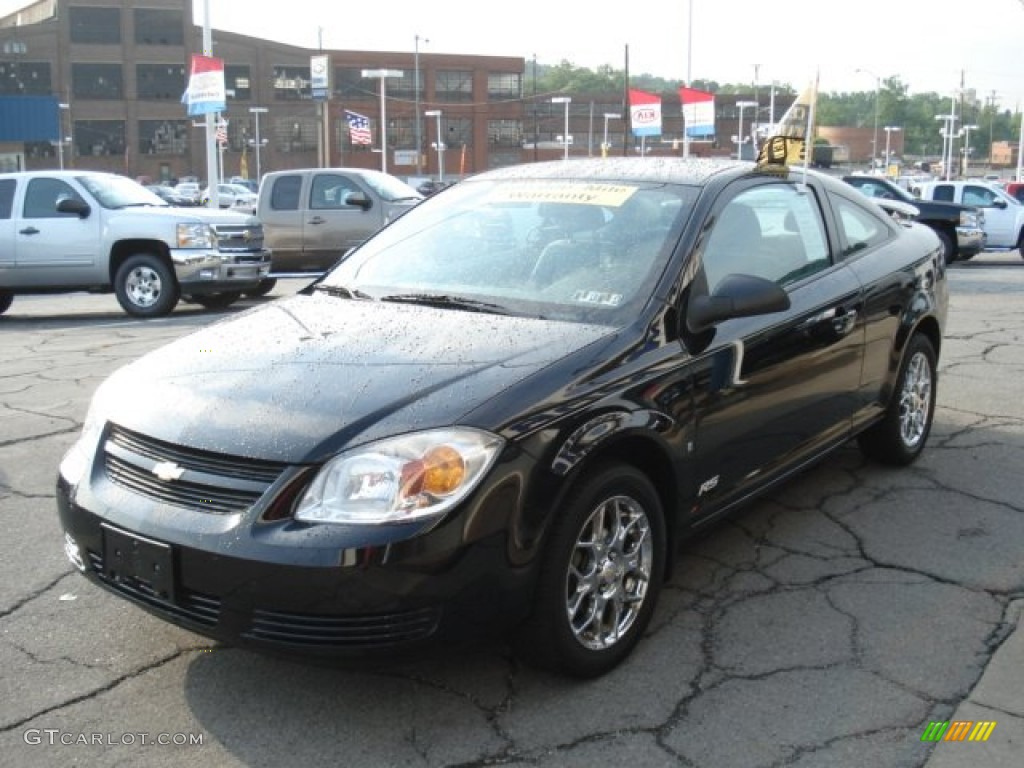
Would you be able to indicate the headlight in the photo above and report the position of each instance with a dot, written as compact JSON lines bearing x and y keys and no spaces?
{"x":196,"y":235}
{"x":970,"y":219}
{"x":400,"y":479}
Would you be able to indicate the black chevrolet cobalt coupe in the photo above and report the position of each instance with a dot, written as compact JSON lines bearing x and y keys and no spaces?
{"x":503,"y":412}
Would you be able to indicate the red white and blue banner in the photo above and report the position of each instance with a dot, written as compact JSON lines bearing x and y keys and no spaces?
{"x":206,"y":92}
{"x":698,"y":112}
{"x":644,"y":113}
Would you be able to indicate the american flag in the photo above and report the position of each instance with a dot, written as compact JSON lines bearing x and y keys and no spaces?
{"x":359,"y":128}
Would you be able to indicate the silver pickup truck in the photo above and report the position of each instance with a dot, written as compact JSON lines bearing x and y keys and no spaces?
{"x":63,"y":231}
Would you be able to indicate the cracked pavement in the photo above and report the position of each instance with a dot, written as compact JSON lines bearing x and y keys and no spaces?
{"x":827,"y":625}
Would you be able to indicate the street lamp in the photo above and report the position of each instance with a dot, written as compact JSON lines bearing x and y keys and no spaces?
{"x":874,"y":136}
{"x":383,"y":74}
{"x":888,"y":135}
{"x":256,"y":112}
{"x":604,"y":144}
{"x":740,"y":139}
{"x":416,"y":102}
{"x":565,"y":137}
{"x":61,"y":108}
{"x":947,"y":142}
{"x":440,"y":142}
{"x":965,"y":131}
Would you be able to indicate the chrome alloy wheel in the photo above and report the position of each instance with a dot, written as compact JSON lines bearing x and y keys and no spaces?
{"x":609,"y":572}
{"x":144,"y":286}
{"x":915,"y":400}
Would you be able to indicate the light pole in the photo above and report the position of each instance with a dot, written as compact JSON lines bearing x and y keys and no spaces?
{"x":888,"y":134}
{"x":874,"y":135}
{"x":947,"y":143}
{"x":258,"y":143}
{"x":604,"y":144}
{"x":416,"y":103}
{"x":440,"y":142}
{"x":61,"y":108}
{"x":383,"y":74}
{"x":565,"y":136}
{"x":740,"y":139}
{"x":965,"y":131}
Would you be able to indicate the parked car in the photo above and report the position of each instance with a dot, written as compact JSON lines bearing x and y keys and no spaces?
{"x":959,"y":227}
{"x":250,"y":184}
{"x":505,"y":410}
{"x":190,"y":190}
{"x":171,"y":196}
{"x":1004,"y":214}
{"x":232,"y":196}
{"x":67,"y":231}
{"x":313,"y":216}
{"x":1015,"y":189}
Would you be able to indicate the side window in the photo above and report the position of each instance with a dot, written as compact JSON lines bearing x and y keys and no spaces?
{"x":285,"y":194}
{"x":773,"y":231}
{"x":7,"y":187}
{"x":329,"y":191}
{"x":861,"y":229}
{"x":979,"y":196}
{"x":943,"y":192}
{"x":42,"y":196}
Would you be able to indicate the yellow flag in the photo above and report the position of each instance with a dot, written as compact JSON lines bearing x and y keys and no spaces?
{"x":243,"y":164}
{"x":789,"y":142}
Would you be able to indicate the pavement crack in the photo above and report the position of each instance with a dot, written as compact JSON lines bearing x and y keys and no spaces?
{"x":37,"y":593}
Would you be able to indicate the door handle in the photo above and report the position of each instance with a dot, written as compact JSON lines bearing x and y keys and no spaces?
{"x":28,"y":231}
{"x":317,"y":220}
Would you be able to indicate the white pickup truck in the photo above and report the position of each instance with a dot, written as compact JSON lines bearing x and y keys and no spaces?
{"x":1004,"y":215}
{"x":63,"y":231}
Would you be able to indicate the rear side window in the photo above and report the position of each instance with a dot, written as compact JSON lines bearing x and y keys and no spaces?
{"x":285,"y":194}
{"x":861,"y":229}
{"x":6,"y":198}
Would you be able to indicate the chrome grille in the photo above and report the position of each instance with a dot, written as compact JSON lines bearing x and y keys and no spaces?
{"x":204,"y":481}
{"x":235,"y":238}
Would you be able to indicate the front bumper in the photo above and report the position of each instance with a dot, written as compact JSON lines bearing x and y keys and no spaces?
{"x":203,"y":272}
{"x":284,"y":586}
{"x":970,"y":241}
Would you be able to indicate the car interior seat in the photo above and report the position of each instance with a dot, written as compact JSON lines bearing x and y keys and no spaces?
{"x":577,"y":248}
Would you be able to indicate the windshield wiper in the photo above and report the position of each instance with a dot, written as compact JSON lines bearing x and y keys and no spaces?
{"x":453,"y":302}
{"x":342,"y":291}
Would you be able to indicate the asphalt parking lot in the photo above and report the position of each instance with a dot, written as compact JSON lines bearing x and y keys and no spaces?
{"x":826,"y":626}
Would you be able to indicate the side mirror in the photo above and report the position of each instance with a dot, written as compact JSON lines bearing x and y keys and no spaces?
{"x":736,"y":296}
{"x":999,"y":203}
{"x":358,"y":199}
{"x":79,"y":208}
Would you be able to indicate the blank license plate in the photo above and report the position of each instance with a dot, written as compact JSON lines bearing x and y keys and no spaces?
{"x":139,"y":562}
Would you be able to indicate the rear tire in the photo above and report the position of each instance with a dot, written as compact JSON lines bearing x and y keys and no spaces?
{"x":6,"y":299}
{"x":601,"y":575}
{"x":146,"y":287}
{"x":900,"y":437}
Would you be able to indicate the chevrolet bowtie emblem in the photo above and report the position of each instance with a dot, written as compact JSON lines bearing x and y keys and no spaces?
{"x":168,"y":470}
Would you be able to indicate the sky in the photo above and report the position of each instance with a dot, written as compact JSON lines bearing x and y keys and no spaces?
{"x":928,"y":44}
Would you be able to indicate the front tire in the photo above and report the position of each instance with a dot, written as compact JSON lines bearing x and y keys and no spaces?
{"x":266,"y":285}
{"x":146,"y":287}
{"x":601,"y":575}
{"x":948,"y":246}
{"x":900,"y":437}
{"x":6,"y":299}
{"x":216,"y":300}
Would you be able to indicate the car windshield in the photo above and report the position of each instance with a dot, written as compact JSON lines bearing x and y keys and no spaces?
{"x":582,"y":251}
{"x":119,"y":191}
{"x":390,"y":188}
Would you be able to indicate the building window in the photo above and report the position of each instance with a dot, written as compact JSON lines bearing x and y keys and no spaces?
{"x":350,"y":84}
{"x":99,"y":137}
{"x":295,"y":134}
{"x":458,"y":132}
{"x":237,"y":82}
{"x":292,"y":83}
{"x":97,"y":26}
{"x":163,"y":137}
{"x":403,"y":87}
{"x":159,"y":27}
{"x":453,"y":87}
{"x":160,"y":81}
{"x":25,"y":78}
{"x":504,"y":86}
{"x":505,"y":133}
{"x":97,"y":81}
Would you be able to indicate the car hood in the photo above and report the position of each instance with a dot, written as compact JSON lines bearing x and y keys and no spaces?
{"x":298,"y":379}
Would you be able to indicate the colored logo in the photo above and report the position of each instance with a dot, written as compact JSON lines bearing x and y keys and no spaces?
{"x":958,"y":730}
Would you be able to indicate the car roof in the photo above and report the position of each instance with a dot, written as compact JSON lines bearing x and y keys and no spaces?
{"x":679,"y":170}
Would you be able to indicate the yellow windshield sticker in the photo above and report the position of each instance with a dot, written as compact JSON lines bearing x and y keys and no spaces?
{"x":609,"y":195}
